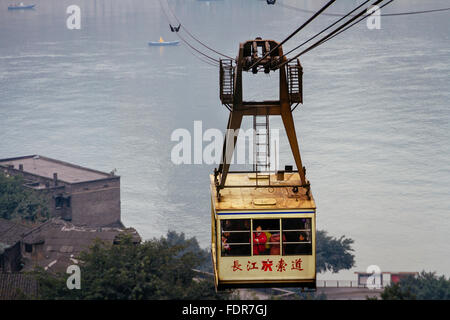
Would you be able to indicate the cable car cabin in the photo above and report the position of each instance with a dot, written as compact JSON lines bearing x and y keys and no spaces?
{"x":263,"y":237}
{"x":263,"y":227}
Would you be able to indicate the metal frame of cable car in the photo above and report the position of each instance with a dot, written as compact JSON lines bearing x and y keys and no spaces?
{"x":254,"y":55}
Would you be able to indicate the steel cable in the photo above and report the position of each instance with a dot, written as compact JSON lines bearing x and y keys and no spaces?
{"x":183,"y":27}
{"x":287,"y":6}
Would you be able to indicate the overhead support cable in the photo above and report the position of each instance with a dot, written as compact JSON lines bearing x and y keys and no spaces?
{"x":287,"y":6}
{"x":336,"y":31}
{"x":183,"y":27}
{"x":204,"y":60}
{"x":213,"y":61}
{"x":330,"y":26}
{"x":413,"y":12}
{"x":295,"y":32}
{"x":195,"y":49}
{"x":361,"y":19}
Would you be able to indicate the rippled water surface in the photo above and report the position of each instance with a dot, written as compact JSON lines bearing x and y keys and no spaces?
{"x":374,"y":129}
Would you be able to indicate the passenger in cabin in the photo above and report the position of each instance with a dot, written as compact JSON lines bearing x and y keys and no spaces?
{"x":259,"y":241}
{"x":269,"y":239}
{"x":302,"y":236}
{"x":225,"y":246}
{"x":306,"y":224}
{"x":227,"y":225}
{"x":275,"y":247}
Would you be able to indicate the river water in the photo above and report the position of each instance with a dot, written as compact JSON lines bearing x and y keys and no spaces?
{"x":374,"y":129}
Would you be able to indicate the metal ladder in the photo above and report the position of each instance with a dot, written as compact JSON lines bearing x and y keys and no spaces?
{"x":261,"y":148}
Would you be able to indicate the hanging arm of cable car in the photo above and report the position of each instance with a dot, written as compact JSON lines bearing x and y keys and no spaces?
{"x":174,"y":29}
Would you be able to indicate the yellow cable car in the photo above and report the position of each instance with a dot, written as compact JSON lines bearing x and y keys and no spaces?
{"x":263,"y":221}
{"x":263,"y":237}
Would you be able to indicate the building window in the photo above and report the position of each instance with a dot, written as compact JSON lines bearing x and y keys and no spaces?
{"x":28,"y":247}
{"x":59,"y":202}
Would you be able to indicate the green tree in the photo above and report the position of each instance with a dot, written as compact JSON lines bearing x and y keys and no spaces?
{"x":162,"y":269}
{"x":426,"y":286}
{"x":156,"y":269}
{"x":19,"y":203}
{"x":333,"y":254}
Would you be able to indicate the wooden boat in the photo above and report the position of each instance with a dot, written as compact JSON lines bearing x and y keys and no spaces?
{"x":161,"y":42}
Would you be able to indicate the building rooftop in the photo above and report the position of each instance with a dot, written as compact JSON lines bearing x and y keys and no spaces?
{"x":62,"y":242}
{"x":11,"y":232}
{"x":46,"y":167}
{"x":17,"y":286}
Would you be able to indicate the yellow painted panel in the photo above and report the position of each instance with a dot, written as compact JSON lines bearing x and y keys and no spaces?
{"x":261,"y":203}
{"x":266,"y":268}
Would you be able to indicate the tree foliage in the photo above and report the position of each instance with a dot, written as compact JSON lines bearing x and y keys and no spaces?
{"x":163,"y":269}
{"x":156,"y":269}
{"x":333,"y":254}
{"x":17,"y":202}
{"x":426,"y":286}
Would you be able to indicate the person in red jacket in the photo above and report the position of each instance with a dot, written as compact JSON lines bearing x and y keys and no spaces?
{"x":259,"y":241}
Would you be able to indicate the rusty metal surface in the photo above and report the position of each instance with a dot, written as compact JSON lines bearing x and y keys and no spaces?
{"x":253,"y":56}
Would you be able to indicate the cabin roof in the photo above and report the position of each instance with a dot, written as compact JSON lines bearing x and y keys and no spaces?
{"x":251,"y":198}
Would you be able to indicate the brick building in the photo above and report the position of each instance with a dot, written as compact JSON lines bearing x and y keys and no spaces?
{"x":83,"y":196}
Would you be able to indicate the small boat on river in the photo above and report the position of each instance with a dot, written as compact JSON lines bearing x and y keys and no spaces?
{"x":161,"y":42}
{"x":20,"y":6}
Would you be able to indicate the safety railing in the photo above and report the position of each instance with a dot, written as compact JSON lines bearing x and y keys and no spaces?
{"x":340,"y":284}
{"x":226,"y":81}
{"x":295,"y":81}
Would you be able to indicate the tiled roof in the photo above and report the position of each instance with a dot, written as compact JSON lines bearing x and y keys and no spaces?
{"x":62,"y":242}
{"x":11,"y":232}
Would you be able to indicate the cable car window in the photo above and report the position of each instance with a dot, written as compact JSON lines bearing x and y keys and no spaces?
{"x":297,"y":236}
{"x":266,"y":236}
{"x":235,"y":237}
